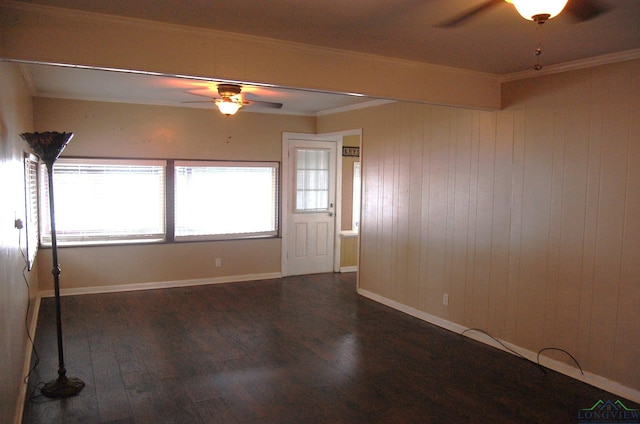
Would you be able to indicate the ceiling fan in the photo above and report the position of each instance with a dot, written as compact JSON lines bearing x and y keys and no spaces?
{"x":535,"y":10}
{"x":231,"y":100}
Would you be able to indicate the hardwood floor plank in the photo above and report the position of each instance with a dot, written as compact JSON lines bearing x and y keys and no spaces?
{"x":297,"y":349}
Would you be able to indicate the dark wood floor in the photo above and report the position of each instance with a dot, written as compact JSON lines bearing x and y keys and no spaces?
{"x":294,"y":350}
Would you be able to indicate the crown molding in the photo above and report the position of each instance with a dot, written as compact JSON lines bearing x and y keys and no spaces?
{"x":28,"y":79}
{"x":590,"y":62}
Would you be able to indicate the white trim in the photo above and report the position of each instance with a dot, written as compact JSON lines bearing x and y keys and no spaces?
{"x":162,"y":284}
{"x":337,"y":244}
{"x":574,"y":65}
{"x":26,"y":366}
{"x":28,"y":79}
{"x":286,"y":193}
{"x":352,"y":268}
{"x":589,"y":378}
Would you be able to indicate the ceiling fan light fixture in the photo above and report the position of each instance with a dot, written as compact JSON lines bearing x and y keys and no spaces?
{"x":538,"y":10}
{"x":228,"y":105}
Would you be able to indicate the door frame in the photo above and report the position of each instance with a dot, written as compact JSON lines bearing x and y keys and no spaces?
{"x":285,"y":174}
{"x":286,"y":191}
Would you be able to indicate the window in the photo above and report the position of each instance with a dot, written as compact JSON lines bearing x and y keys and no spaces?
{"x":105,"y":201}
{"x":101,"y":201}
{"x":31,"y":207}
{"x":312,"y":191}
{"x":357,"y":197}
{"x":222,"y":200}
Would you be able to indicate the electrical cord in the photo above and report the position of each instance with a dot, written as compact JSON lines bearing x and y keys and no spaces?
{"x":563,"y":351}
{"x":518,"y":354}
{"x":36,"y":361}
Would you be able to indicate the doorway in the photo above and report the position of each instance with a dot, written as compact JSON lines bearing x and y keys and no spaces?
{"x":310,"y":207}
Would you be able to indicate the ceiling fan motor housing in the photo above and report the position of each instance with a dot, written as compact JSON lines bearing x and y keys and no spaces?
{"x":229,"y":90}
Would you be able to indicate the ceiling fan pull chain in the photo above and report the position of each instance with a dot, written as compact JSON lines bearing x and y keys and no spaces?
{"x":538,"y":51}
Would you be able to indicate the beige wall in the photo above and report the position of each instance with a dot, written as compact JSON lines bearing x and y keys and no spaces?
{"x":125,"y":130}
{"x":32,"y":32}
{"x":15,"y":118}
{"x":529,"y":218}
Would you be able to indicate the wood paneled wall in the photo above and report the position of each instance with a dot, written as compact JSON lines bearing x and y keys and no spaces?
{"x":528,"y":218}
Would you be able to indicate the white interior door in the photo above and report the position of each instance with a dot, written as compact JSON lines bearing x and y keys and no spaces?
{"x":309,"y":239}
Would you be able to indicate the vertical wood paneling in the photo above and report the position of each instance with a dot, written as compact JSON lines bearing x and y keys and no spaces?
{"x":425,"y":202}
{"x":574,"y":196}
{"x":594,"y":122}
{"x":529,"y":218}
{"x":535,"y":223}
{"x":436,"y":226}
{"x":556,"y":130}
{"x":483,"y":221}
{"x":609,"y":235}
{"x":457,"y":282}
{"x":416,"y":140}
{"x":471,"y":228}
{"x":387,"y":206}
{"x":628,"y":311}
{"x":515,"y":235}
{"x":371,"y":192}
{"x":501,"y":223}
{"x":401,"y":209}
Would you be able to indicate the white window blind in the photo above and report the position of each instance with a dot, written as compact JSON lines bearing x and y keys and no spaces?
{"x":221,"y":200}
{"x":31,"y":207}
{"x":104,"y":200}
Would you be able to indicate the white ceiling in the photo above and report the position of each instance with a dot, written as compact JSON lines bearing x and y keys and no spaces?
{"x":128,"y":87}
{"x":497,"y":41}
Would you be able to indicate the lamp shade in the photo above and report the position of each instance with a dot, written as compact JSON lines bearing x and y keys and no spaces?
{"x":47,"y":145}
{"x":530,"y":9}
{"x":228,"y":106}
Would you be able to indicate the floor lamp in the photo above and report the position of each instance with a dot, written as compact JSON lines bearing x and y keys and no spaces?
{"x":48,"y":146}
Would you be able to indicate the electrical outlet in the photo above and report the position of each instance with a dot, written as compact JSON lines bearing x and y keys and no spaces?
{"x":445,"y":299}
{"x":218,"y":262}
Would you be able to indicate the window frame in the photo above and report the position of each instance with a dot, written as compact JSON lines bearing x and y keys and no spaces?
{"x":112,"y":239}
{"x":169,"y":203}
{"x":274,"y":233}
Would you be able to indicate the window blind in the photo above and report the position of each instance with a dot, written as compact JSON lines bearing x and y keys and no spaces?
{"x":218,"y":200}
{"x":104,"y":200}
{"x":31,"y":207}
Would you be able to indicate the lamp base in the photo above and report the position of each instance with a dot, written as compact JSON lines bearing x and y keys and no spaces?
{"x":62,"y":387}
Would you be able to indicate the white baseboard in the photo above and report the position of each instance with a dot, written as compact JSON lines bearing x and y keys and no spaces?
{"x":589,"y":378}
{"x":162,"y":284}
{"x":353,"y":268}
{"x":26,"y":366}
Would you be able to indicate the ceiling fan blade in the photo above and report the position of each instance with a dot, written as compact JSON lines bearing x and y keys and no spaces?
{"x":201,"y":95}
{"x":271,"y":105}
{"x":584,"y":10}
{"x":200,"y":101}
{"x":469,"y":14}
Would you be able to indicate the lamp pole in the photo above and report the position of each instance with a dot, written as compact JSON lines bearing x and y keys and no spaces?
{"x":48,"y":146}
